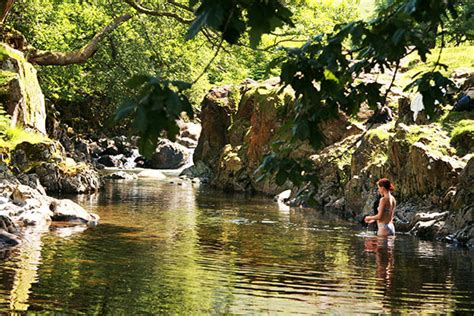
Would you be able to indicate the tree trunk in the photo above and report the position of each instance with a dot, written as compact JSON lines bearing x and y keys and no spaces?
{"x":5,"y":7}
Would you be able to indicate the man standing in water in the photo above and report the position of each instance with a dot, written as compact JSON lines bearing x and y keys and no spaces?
{"x":385,"y":210}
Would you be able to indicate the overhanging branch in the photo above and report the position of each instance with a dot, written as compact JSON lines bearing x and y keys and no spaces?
{"x":45,"y":58}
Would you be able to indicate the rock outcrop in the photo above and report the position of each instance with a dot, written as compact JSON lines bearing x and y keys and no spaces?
{"x":20,"y":92}
{"x":55,"y":172}
{"x":239,"y":125}
{"x":22,"y":205}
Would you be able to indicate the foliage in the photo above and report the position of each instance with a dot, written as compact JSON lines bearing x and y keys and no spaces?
{"x":90,"y":92}
{"x":233,"y":18}
{"x":461,"y":29}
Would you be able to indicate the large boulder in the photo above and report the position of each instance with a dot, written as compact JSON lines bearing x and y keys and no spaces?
{"x":55,"y":172}
{"x":68,"y":177}
{"x":27,"y":156}
{"x":20,"y":92}
{"x":168,"y":155}
{"x":235,"y":139}
{"x":67,"y":210}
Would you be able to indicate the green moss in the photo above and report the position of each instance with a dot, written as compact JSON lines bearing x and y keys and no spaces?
{"x":7,"y":76}
{"x":462,"y":127}
{"x":451,"y":119}
{"x":436,"y":140}
{"x":378,"y":158}
{"x":380,"y":133}
{"x":16,"y":135}
{"x":462,"y":137}
{"x":234,"y":97}
{"x":71,"y":168}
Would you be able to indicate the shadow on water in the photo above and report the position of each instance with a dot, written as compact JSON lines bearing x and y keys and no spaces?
{"x":176,"y":248}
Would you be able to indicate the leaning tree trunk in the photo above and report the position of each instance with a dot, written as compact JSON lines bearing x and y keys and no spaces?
{"x":5,"y":7}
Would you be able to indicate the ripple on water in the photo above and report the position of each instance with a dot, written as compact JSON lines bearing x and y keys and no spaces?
{"x":163,"y":250}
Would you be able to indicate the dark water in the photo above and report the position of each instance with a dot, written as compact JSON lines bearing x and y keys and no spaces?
{"x":164,"y":248}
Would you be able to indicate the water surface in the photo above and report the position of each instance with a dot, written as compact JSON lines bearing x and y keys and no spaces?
{"x":175,"y":248}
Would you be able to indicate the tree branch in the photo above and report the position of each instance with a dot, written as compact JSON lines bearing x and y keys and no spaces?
{"x":5,"y":7}
{"x":141,"y":9}
{"x":79,"y":56}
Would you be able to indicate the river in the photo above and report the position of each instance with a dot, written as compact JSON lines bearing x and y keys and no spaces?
{"x":177,"y":248}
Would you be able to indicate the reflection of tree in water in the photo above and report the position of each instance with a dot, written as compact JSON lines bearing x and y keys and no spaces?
{"x":148,"y":263}
{"x":18,"y":271}
{"x":161,"y":248}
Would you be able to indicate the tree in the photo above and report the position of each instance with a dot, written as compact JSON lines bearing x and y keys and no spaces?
{"x":322,"y":72}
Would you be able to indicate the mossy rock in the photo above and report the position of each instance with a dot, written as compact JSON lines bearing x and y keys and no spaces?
{"x":20,"y":92}
{"x":462,"y":137}
{"x":27,"y":156}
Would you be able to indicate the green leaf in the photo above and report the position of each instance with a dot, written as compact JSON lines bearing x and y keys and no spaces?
{"x":125,"y":110}
{"x":181,"y":85}
{"x":173,"y":105}
{"x":147,"y":145}
{"x":196,"y":26}
{"x":141,"y":121}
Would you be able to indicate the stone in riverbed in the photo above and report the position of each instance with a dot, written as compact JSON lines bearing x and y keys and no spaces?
{"x":168,"y":155}
{"x":67,"y":210}
{"x":155,"y":174}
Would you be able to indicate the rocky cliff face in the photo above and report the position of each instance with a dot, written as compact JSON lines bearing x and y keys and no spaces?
{"x":20,"y":93}
{"x":239,"y":124}
{"x":433,"y":183}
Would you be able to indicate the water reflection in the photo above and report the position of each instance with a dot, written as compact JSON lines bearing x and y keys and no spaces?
{"x":22,"y":272}
{"x":164,"y":248}
{"x":382,"y":247}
